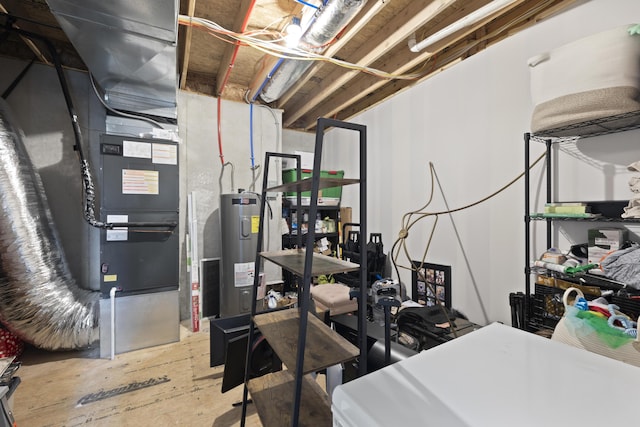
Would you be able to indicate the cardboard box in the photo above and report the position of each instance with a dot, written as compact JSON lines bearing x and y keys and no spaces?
{"x":604,"y":240}
{"x":345,"y":218}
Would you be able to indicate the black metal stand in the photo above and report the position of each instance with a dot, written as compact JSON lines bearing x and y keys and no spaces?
{"x":304,"y":288}
{"x":386,"y":304}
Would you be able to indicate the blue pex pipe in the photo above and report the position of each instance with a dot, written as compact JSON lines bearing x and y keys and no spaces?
{"x":309,"y":4}
{"x":271,"y":73}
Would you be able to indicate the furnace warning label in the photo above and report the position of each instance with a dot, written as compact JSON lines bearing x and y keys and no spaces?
{"x":165,"y":154}
{"x":141,"y":150}
{"x":117,"y":233}
{"x":244,"y":272}
{"x":136,"y":181}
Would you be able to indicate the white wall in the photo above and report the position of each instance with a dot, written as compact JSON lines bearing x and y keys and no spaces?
{"x":469,"y":122}
{"x":293,"y":140}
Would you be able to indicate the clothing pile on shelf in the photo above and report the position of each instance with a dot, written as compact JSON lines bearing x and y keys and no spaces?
{"x":624,"y":266}
{"x":632,"y":210}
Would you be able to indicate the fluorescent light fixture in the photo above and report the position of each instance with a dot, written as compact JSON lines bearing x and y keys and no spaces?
{"x":460,"y":24}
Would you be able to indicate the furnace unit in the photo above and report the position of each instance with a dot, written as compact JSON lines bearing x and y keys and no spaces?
{"x":239,"y":222}
{"x":139,"y":256}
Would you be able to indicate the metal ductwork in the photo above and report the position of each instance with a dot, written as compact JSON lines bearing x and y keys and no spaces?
{"x":326,"y":24}
{"x":129,"y":47}
{"x":39,"y":299}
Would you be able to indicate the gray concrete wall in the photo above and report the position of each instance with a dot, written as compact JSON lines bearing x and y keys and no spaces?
{"x":201,"y":169}
{"x":39,"y":109}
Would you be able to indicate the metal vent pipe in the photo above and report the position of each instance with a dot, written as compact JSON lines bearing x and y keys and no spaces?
{"x":326,"y":24}
{"x":39,"y":299}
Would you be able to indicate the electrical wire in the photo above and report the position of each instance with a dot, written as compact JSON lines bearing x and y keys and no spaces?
{"x":88,"y":187}
{"x":408,"y":221}
{"x":276,"y":125}
{"x":117,"y":112}
{"x":17,"y":80}
{"x":253,"y":167}
{"x":273,"y":45}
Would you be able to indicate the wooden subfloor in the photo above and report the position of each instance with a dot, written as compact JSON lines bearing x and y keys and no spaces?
{"x":167,"y":385}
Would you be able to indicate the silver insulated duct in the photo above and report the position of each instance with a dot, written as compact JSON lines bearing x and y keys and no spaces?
{"x":129,"y":47}
{"x":327,"y":23}
{"x":39,"y":300}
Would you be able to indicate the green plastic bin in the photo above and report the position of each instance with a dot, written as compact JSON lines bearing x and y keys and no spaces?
{"x":290,"y":175}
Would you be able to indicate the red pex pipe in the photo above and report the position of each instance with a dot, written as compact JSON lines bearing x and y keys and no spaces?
{"x":243,"y":27}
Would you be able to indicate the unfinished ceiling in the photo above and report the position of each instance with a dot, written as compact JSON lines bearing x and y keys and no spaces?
{"x":344,"y":69}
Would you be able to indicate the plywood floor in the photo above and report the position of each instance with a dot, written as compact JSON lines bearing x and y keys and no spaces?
{"x":168,"y":385}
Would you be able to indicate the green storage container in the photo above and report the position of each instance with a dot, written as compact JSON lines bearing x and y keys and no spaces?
{"x":290,"y":175}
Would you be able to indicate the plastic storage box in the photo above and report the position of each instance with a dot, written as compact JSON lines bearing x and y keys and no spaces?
{"x":326,"y":196}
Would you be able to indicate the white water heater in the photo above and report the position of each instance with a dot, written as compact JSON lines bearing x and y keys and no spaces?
{"x":239,"y":222}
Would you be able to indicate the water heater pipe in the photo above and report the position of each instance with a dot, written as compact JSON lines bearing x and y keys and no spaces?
{"x":112,"y":297}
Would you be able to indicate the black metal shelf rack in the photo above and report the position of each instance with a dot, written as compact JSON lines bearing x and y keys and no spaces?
{"x":302,"y":342}
{"x":570,"y":133}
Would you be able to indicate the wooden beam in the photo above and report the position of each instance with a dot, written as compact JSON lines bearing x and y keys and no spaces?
{"x":370,"y":10}
{"x":225,"y":64}
{"x":345,"y":103}
{"x":29,"y":42}
{"x":184,"y":68}
{"x":404,"y":24}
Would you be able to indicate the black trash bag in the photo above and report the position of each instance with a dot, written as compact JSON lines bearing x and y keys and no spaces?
{"x":427,"y":318}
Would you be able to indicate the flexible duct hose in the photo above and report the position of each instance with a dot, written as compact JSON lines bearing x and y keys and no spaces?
{"x":39,"y":299}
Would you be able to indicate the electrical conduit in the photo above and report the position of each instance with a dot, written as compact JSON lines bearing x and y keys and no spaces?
{"x":253,"y":161}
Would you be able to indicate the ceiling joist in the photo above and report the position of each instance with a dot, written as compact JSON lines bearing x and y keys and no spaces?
{"x":404,"y":61}
{"x":377,"y":38}
{"x":408,"y":22}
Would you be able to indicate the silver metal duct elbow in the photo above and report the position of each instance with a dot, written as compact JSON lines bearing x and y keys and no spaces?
{"x":284,"y":77}
{"x":327,"y":23}
{"x":39,"y":299}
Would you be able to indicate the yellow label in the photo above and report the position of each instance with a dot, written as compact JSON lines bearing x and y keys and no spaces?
{"x":255,"y":224}
{"x":110,"y":278}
